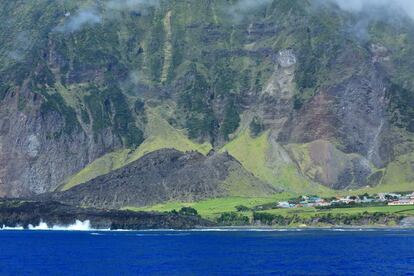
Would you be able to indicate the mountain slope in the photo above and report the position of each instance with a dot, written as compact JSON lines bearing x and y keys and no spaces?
{"x":83,"y":80}
{"x":167,"y":175}
{"x":159,"y":135}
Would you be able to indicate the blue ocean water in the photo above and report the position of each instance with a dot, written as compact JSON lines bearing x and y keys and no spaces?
{"x":290,"y":252}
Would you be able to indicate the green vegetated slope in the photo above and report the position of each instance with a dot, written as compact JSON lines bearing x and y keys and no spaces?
{"x":308,"y":212}
{"x":253,"y":153}
{"x":212,"y":60}
{"x":398,"y":176}
{"x":160,"y":135}
{"x":212,"y":208}
{"x":242,"y":183}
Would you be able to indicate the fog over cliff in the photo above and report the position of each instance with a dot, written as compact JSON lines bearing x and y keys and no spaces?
{"x":376,"y":7}
{"x":93,"y":14}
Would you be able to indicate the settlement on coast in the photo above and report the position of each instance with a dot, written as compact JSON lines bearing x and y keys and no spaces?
{"x":394,"y":199}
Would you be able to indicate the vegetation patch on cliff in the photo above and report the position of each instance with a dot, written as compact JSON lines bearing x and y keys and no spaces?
{"x":160,"y":134}
{"x":253,"y":153}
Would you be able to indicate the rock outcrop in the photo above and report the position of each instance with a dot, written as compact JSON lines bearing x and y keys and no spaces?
{"x":15,"y":213}
{"x":161,"y":176}
{"x":324,"y":163}
{"x":38,"y":149}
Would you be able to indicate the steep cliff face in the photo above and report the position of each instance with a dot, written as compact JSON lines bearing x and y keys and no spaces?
{"x":80,"y":79}
{"x":39,"y":149}
{"x":53,"y":120}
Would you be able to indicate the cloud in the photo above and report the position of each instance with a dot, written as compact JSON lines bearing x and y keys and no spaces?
{"x":88,"y":16}
{"x":240,"y":9}
{"x":376,"y":7}
{"x":248,"y":5}
{"x":91,"y":15}
{"x":132,"y":81}
{"x":21,"y":44}
{"x":131,"y":5}
{"x":393,"y":12}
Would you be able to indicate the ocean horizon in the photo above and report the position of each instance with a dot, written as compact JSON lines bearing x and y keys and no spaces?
{"x":218,"y":251}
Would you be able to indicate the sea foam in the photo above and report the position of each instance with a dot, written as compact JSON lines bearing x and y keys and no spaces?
{"x":77,"y":226}
{"x":4,"y":227}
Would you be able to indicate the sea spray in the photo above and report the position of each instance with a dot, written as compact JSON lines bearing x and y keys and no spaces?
{"x":77,"y":226}
{"x":4,"y":227}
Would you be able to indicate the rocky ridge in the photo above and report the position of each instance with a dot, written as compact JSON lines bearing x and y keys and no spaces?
{"x":166,"y":175}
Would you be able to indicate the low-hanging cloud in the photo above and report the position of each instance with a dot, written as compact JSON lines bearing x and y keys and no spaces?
{"x":247,"y":5}
{"x":376,"y":6}
{"x":21,"y":44}
{"x":393,"y":12}
{"x":88,"y":16}
{"x":92,"y":15}
{"x":132,"y":81}
{"x":239,"y":10}
{"x":131,"y":5}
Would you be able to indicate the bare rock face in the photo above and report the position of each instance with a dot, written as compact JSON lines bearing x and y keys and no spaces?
{"x":323,"y":163}
{"x":286,"y":58}
{"x":379,"y":53}
{"x":164,"y":175}
{"x":274,"y":104}
{"x":344,"y":127}
{"x":36,"y":154}
{"x":352,"y":115}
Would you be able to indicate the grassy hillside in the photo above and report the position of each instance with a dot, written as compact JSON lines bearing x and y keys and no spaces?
{"x":398,"y":176}
{"x":213,"y":208}
{"x":309,"y":212}
{"x":160,"y":135}
{"x":254,"y":154}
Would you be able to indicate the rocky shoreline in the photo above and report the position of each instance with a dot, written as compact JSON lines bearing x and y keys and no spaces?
{"x":29,"y":213}
{"x":22,"y":213}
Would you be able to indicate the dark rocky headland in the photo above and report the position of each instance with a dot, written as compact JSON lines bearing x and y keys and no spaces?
{"x":15,"y":213}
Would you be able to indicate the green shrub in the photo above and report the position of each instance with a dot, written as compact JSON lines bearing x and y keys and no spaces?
{"x":188,"y":211}
{"x":55,"y":103}
{"x":232,"y":218}
{"x":256,"y":127}
{"x":242,"y":208}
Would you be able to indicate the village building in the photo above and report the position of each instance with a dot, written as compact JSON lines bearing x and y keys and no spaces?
{"x":402,"y":202}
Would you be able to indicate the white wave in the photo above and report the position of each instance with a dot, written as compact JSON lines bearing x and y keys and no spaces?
{"x":41,"y":226}
{"x":351,"y":229}
{"x":4,"y":227}
{"x":77,"y":226}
